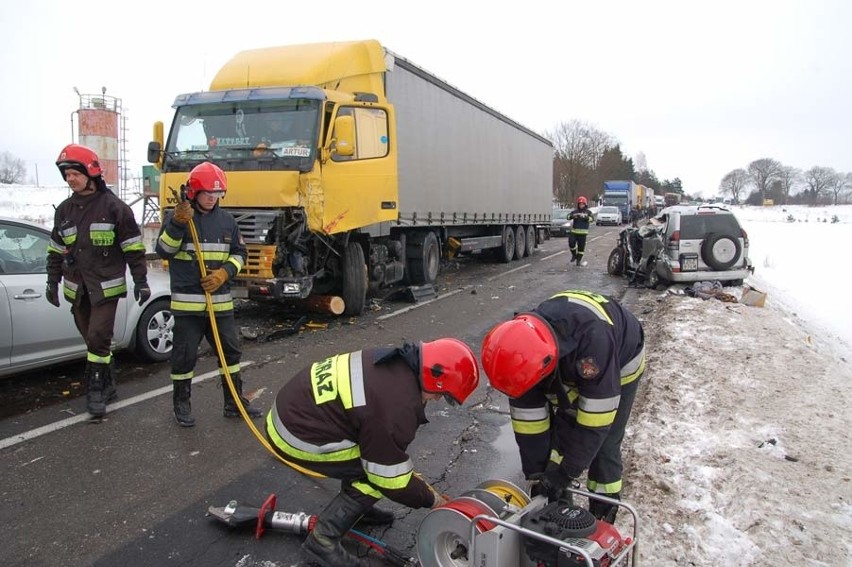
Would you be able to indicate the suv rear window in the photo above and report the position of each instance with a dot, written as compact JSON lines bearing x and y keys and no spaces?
{"x":696,"y":227}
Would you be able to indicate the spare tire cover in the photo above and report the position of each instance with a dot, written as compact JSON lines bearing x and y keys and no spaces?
{"x":720,"y":251}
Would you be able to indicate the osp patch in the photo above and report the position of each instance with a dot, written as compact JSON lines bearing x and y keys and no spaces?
{"x":587,"y":368}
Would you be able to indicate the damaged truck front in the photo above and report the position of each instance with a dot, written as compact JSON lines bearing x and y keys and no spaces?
{"x":351,"y":169}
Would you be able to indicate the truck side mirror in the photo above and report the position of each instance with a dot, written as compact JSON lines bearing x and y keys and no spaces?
{"x":344,"y":136}
{"x":154,"y":150}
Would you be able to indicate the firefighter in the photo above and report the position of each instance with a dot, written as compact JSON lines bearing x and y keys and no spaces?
{"x":352,"y":416}
{"x":95,"y":238}
{"x":580,"y":217}
{"x":223,"y":251}
{"x":571,"y":368}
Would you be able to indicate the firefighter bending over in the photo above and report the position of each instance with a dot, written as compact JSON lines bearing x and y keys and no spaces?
{"x":571,"y":368}
{"x":352,"y":416}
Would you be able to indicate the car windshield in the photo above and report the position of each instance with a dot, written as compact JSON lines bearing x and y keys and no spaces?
{"x":561,"y":214}
{"x":609,"y":210}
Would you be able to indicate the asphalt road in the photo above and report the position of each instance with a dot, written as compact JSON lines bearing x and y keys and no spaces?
{"x":134,"y":489}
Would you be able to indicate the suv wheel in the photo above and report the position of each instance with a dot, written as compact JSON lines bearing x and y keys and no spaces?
{"x":615,"y":263}
{"x":720,"y":251}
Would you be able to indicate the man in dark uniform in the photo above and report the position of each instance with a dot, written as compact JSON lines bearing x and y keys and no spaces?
{"x":352,"y":417}
{"x":223,"y":253}
{"x":95,"y":237}
{"x":571,"y":368}
{"x":581,"y":217}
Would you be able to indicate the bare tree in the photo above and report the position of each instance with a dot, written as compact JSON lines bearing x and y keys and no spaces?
{"x":733,"y":184}
{"x":818,"y":181}
{"x":838,"y":186}
{"x":12,"y":169}
{"x":788,"y":178}
{"x":762,"y":172}
{"x":578,"y":150}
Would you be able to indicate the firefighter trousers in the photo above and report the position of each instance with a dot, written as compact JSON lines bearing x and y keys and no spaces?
{"x":95,"y":323}
{"x":188,"y":332}
{"x":606,"y":468}
{"x":577,"y":244}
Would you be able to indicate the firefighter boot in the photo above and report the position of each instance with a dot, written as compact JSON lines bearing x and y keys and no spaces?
{"x":231,"y":409}
{"x":109,"y":383}
{"x":180,"y":397}
{"x":95,"y":378}
{"x":604,"y":510}
{"x":323,"y":543}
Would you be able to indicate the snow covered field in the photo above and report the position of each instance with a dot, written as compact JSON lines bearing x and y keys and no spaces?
{"x":739,"y":450}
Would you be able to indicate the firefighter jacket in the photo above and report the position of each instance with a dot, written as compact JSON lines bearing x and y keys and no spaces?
{"x":580,"y":219}
{"x":364,"y":405}
{"x":221,"y":246}
{"x":601,"y":348}
{"x":94,"y":238}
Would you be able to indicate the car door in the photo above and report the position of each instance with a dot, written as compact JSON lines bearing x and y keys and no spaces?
{"x":40,"y":333}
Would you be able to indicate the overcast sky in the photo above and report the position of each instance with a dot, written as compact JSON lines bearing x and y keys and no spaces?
{"x":699,"y":88}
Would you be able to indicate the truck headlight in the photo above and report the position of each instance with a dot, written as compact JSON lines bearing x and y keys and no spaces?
{"x":291,"y":287}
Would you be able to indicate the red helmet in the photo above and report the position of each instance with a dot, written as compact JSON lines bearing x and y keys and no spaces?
{"x":80,"y":158}
{"x":518,"y":354}
{"x":582,"y":200}
{"x":448,"y":366}
{"x":205,"y":176}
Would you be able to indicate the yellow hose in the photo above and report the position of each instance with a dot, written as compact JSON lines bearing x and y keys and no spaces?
{"x":221,"y":353}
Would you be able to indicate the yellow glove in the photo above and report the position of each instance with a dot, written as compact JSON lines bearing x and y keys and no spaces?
{"x":214,"y":280}
{"x":183,"y":212}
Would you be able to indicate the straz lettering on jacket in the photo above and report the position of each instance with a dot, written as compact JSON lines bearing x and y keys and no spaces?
{"x":324,"y":379}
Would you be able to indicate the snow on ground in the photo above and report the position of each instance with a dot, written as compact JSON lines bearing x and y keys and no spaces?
{"x":738,"y":451}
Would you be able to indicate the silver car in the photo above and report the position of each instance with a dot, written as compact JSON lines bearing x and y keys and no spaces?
{"x":34,"y":333}
{"x":560,"y":225}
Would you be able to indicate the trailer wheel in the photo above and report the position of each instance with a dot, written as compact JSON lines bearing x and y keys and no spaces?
{"x":507,"y":251}
{"x":424,"y":258}
{"x":520,"y":241}
{"x":530,"y":241}
{"x":615,"y":263}
{"x":354,"y":279}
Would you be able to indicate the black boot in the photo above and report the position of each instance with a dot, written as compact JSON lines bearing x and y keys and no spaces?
{"x":377,"y":517}
{"x":109,"y":383}
{"x":323,"y":543}
{"x":180,"y":397}
{"x":95,"y":378}
{"x":231,"y":409}
{"x":604,"y":510}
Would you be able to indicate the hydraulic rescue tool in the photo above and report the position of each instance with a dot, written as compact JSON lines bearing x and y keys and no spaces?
{"x":497,"y":524}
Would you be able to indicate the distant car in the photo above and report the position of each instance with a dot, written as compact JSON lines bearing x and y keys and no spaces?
{"x":559,"y":223}
{"x":608,"y":215}
{"x":34,"y":333}
{"x":700,"y":243}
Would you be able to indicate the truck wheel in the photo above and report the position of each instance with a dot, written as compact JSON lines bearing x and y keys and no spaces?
{"x":615,"y":263}
{"x":520,"y":241}
{"x":354,"y":279}
{"x":507,"y":251}
{"x":425,"y":260}
{"x":530,"y":241}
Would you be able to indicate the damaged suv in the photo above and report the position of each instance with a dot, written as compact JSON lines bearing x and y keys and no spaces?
{"x":683,"y":244}
{"x":699,"y":243}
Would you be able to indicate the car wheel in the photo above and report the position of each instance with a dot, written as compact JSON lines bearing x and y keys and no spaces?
{"x":615,"y":263}
{"x":654,"y":279}
{"x":720,"y":251}
{"x":155,"y":332}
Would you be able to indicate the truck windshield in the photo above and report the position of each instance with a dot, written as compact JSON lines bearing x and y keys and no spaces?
{"x":618,"y":199}
{"x":245,"y":135}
